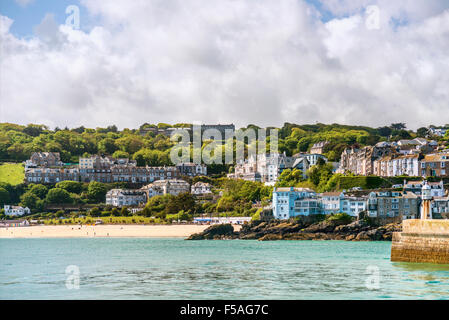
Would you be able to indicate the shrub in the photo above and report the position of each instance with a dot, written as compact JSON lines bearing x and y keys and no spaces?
{"x":256,"y":216}
{"x":39,"y":190}
{"x":70,"y":186}
{"x":341,"y":217}
{"x":105,"y":213}
{"x":115,"y":212}
{"x":58,"y":196}
{"x":95,"y":212}
{"x":124,"y":212}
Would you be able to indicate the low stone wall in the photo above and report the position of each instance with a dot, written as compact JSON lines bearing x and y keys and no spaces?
{"x":422,"y":241}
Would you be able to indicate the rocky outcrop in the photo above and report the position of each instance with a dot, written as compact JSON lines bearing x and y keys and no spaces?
{"x":337,"y":230}
{"x":215,"y":232}
{"x":296,"y":230}
{"x":257,"y":229}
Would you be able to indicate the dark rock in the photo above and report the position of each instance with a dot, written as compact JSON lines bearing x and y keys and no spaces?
{"x":218,"y":231}
{"x":308,"y":236}
{"x":271,"y":237}
{"x":324,"y":226}
{"x":353,"y":227}
{"x":259,"y":230}
{"x":294,"y":230}
{"x":350,"y":237}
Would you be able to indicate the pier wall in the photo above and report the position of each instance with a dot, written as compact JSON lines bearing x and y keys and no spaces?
{"x":424,"y":241}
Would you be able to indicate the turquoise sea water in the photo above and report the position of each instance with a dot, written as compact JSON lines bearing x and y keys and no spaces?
{"x":130,"y":268}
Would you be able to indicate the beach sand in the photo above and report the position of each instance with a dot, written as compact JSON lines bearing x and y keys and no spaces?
{"x":113,"y":231}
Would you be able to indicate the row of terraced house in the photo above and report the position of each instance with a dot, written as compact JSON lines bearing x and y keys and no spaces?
{"x":47,"y":168}
{"x":418,"y":158}
{"x":403,"y":203}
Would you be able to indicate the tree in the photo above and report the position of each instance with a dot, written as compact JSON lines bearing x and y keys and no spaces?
{"x":39,"y":190}
{"x":403,"y":134}
{"x":95,"y":212}
{"x":289,"y":178}
{"x":130,"y":143}
{"x":107,"y":146}
{"x":384,"y":131}
{"x":398,"y":126}
{"x":124,"y":212}
{"x":79,"y":129}
{"x":96,"y":191}
{"x":184,"y":201}
{"x":319,"y":175}
{"x":34,"y":129}
{"x":15,"y":192}
{"x":4,"y":196}
{"x":422,"y":132}
{"x":58,"y":196}
{"x":70,"y":186}
{"x":29,"y":200}
{"x":156,"y":206}
{"x":226,"y":203}
{"x":120,"y":154}
{"x":181,"y":216}
{"x":115,"y":212}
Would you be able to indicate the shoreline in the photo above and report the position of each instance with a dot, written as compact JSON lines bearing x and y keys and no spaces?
{"x":104,"y":231}
{"x":358,"y":230}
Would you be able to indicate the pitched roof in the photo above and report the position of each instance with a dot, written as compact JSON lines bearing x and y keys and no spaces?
{"x":331,"y":194}
{"x":437,"y":157}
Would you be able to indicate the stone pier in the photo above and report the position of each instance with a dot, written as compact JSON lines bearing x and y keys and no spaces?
{"x":424,"y":241}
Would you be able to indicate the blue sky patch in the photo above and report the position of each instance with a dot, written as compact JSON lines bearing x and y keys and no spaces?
{"x":26,"y":17}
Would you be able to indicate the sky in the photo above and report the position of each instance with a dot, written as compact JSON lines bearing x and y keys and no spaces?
{"x":263,"y":62}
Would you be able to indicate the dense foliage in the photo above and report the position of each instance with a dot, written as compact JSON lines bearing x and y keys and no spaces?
{"x":231,"y":197}
{"x":17,"y":142}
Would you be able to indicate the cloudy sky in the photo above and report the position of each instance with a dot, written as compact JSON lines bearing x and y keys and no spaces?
{"x":265,"y":62}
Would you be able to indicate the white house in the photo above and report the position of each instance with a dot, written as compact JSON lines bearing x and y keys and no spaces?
{"x":313,"y":158}
{"x":192,"y":169}
{"x":222,"y":220}
{"x":201,"y":188}
{"x":171,"y":186}
{"x":330,"y":202}
{"x":16,"y":210}
{"x":437,"y":188}
{"x":125,"y":197}
{"x":352,"y":205}
{"x":438,"y":131}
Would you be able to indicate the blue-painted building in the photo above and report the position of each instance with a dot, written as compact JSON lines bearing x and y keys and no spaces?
{"x":291,"y":202}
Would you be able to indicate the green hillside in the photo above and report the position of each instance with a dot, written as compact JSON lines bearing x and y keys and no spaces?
{"x":12,"y":173}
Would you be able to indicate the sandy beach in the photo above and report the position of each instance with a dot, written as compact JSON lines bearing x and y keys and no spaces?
{"x":100,"y":231}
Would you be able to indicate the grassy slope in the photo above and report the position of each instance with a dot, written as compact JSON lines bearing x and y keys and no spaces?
{"x":106,"y":220}
{"x":12,"y":173}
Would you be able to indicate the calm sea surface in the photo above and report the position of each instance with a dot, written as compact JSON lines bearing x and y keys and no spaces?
{"x":131,"y":268}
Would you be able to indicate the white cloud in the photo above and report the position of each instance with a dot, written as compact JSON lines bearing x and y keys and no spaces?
{"x":261,"y":62}
{"x":48,"y":31}
{"x":24,"y":3}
